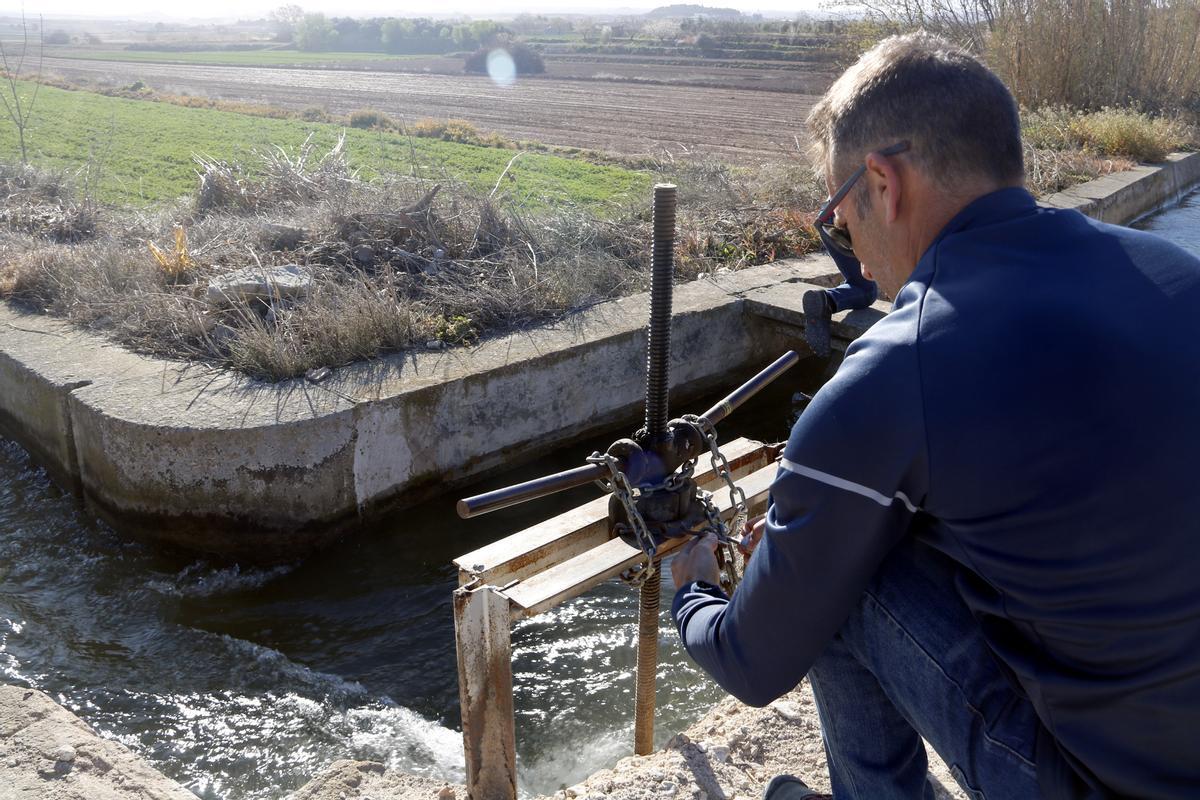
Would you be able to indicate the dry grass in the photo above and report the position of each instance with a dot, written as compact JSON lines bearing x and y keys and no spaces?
{"x":394,"y":264}
{"x":1090,"y":55}
{"x":1108,"y":133}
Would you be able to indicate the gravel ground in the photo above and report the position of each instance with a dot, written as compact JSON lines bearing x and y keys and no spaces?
{"x":729,"y":754}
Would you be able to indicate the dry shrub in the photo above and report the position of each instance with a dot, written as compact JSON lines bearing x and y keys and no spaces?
{"x":456,"y":130}
{"x":44,"y":203}
{"x":1109,"y":132}
{"x":394,"y":264}
{"x":735,"y":217}
{"x":279,"y":178}
{"x":1048,"y":171}
{"x":369,"y":118}
{"x":1123,"y":132}
{"x":1078,"y":53}
{"x":348,"y":318}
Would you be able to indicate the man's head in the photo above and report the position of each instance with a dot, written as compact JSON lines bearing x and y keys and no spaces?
{"x":964,"y":139}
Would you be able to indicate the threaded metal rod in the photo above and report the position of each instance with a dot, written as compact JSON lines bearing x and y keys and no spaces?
{"x":658,"y":342}
{"x":647,"y":662}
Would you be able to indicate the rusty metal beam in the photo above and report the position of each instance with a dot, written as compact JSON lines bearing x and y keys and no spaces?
{"x":542,"y":567}
{"x":485,"y":686}
{"x":574,"y":576}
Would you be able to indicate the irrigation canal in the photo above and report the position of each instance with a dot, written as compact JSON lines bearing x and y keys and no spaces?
{"x":241,"y":683}
{"x":1180,"y":223}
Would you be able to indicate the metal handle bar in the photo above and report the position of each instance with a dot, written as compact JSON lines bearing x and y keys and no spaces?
{"x":751,"y":387}
{"x":579,"y":476}
{"x":530,"y":490}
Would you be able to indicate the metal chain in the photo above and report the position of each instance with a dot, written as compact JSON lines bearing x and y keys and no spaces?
{"x":727,"y":537}
{"x":720,"y":465}
{"x":638,"y":574}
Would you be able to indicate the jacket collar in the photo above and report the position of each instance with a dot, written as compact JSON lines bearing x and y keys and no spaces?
{"x":998,"y":206}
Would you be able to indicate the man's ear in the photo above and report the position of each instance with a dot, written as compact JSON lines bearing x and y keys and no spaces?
{"x":884,"y":180}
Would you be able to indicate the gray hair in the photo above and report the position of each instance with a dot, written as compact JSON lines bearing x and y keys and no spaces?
{"x":960,"y":118}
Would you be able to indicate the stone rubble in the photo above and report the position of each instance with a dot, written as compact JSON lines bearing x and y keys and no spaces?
{"x":287,"y":282}
{"x":47,"y":753}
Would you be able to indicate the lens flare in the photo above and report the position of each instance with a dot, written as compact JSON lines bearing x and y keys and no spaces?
{"x":501,"y":68}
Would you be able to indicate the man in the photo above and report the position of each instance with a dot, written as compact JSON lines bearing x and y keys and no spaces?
{"x":985,"y":529}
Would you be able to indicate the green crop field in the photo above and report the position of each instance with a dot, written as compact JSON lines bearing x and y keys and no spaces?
{"x":231,"y":58}
{"x":143,"y":151}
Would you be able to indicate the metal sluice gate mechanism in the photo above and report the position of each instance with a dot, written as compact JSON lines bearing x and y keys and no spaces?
{"x":650,"y":475}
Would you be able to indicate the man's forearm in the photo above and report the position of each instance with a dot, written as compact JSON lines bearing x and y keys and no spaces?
{"x":698,"y":611}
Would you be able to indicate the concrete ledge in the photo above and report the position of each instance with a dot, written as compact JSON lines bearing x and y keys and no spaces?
{"x":1123,"y":197}
{"x":217,"y":462}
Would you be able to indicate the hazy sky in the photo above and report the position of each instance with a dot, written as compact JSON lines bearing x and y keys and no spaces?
{"x":254,"y":8}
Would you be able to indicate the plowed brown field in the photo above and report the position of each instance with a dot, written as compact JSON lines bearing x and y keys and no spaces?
{"x":738,"y":125}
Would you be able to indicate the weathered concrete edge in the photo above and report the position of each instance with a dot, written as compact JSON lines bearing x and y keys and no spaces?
{"x":217,"y":462}
{"x":1123,"y":197}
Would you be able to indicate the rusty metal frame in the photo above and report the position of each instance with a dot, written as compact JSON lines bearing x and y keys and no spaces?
{"x":531,"y":572}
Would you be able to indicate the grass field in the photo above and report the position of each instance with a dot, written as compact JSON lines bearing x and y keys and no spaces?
{"x":232,"y":58}
{"x":143,"y":151}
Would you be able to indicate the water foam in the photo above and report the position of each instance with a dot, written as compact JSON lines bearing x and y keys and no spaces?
{"x":200,"y":580}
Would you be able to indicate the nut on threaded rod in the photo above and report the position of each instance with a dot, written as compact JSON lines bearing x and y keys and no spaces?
{"x":658,"y":342}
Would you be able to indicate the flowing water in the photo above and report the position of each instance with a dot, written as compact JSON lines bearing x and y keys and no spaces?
{"x":241,"y":683}
{"x":1180,"y":223}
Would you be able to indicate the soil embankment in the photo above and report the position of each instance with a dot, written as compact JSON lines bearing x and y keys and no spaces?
{"x":729,"y":754}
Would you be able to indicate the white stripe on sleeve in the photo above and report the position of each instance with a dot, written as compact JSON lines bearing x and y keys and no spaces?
{"x":849,"y":486}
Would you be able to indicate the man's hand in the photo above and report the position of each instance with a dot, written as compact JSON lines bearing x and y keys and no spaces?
{"x":754,"y":533}
{"x":697,"y":561}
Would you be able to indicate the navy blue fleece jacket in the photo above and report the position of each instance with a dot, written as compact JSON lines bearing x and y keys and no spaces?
{"x":1031,"y":407}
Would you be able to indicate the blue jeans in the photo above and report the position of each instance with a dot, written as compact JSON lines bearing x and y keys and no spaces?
{"x":911,"y":662}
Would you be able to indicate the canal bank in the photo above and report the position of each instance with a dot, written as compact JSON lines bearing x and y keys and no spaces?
{"x":299,"y":636}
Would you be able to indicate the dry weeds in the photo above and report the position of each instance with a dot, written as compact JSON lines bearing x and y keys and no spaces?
{"x":395,"y":263}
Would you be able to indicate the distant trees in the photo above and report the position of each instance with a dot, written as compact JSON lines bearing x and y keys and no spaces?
{"x":664,"y":30}
{"x":285,"y":19}
{"x":476,"y":33}
{"x":708,"y":44}
{"x":526,"y":60}
{"x":392,"y":34}
{"x":314,"y":32}
{"x":57,"y":36}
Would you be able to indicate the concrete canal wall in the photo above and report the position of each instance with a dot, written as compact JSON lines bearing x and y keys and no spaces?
{"x":217,"y":462}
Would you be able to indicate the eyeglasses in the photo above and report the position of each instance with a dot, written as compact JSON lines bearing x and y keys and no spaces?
{"x":839,"y":237}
